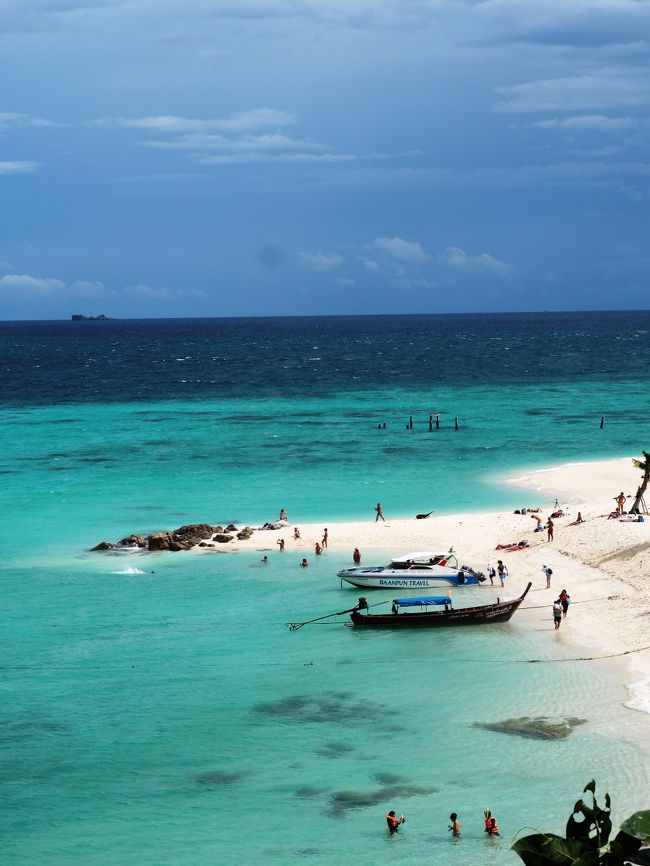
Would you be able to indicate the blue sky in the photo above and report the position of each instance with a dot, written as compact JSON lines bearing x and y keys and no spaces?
{"x":248,"y":157}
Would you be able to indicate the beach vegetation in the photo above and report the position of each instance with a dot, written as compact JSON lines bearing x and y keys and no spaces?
{"x":644,"y":466}
{"x":587,"y":841}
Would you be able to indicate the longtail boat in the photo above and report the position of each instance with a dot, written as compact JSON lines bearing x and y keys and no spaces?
{"x":484,"y":614}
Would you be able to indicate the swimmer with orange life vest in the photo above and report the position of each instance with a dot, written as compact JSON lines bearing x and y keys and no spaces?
{"x":393,"y":822}
{"x":491,"y":826}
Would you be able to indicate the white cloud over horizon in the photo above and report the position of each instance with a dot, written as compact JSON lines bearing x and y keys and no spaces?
{"x":457,"y":259}
{"x":401,"y":250}
{"x":319,"y":261}
{"x":23,"y":166}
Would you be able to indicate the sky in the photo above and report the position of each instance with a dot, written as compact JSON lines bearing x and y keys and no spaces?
{"x":164,"y":158}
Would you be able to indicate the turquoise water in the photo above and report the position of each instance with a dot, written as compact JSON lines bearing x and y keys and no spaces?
{"x":171,"y":718}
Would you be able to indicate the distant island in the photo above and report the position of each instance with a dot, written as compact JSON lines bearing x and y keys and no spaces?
{"x":77,"y":317}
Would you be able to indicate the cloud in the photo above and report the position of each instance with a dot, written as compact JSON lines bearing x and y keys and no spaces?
{"x":25,"y":284}
{"x":255,"y":143}
{"x":401,"y":250}
{"x":590,"y":123}
{"x":580,"y":23}
{"x":10,"y":120}
{"x":19,"y":167}
{"x":142,"y":290}
{"x":458,"y":259}
{"x":319,"y":261}
{"x":242,"y":158}
{"x":577,"y":93}
{"x":243,"y":121}
{"x":371,"y":266}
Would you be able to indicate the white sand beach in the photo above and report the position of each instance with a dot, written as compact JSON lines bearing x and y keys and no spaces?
{"x":604,"y":564}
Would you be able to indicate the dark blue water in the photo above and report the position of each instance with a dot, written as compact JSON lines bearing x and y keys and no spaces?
{"x":54,"y":362}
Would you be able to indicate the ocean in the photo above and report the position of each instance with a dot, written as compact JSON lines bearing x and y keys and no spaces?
{"x":157,"y":710}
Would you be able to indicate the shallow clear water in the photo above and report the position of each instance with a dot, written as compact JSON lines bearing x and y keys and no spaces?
{"x":171,"y":718}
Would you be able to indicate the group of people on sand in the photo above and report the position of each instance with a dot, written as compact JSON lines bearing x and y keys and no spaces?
{"x":491,"y":827}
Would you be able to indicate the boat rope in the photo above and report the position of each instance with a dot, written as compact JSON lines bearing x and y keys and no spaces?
{"x":294,"y":626}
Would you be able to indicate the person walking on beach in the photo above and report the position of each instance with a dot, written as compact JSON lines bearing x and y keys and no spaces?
{"x":620,"y":502}
{"x":379,"y":513}
{"x":324,"y":541}
{"x":393,"y":822}
{"x":356,"y":556}
{"x":548,"y":572}
{"x":454,"y":827}
{"x":502,"y":571}
{"x":557,"y":613}
{"x":549,"y":529}
{"x":565,"y":600}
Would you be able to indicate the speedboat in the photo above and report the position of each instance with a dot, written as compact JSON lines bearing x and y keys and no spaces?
{"x":414,"y":571}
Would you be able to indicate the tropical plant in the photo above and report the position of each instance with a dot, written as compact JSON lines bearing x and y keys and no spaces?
{"x":644,"y":466}
{"x":587,"y":841}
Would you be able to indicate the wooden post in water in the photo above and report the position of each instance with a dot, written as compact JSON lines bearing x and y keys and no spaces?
{"x":438,"y":422}
{"x":430,"y":423}
{"x":410,"y":422}
{"x":602,"y":421}
{"x":456,"y":423}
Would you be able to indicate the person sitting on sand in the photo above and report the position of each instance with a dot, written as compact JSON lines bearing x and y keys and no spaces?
{"x":613,"y":515}
{"x":296,"y":534}
{"x":557,"y":514}
{"x":577,"y":520}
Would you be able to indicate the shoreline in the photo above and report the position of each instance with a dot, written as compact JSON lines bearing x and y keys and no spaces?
{"x":600,"y":561}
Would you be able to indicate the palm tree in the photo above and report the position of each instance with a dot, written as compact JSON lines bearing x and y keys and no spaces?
{"x":644,"y":465}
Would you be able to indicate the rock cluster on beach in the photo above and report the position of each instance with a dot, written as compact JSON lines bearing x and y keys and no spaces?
{"x":184,"y":538}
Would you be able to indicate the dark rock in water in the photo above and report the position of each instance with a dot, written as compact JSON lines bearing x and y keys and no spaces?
{"x":540,"y":728}
{"x":344,"y":800}
{"x":388,"y":778}
{"x":307,"y":792}
{"x":220,"y":777}
{"x":334,"y":750}
{"x":132,"y":541}
{"x":331,"y":707}
{"x":222,"y":538}
{"x":159,"y":541}
{"x":103,"y":545}
{"x":231,"y":528}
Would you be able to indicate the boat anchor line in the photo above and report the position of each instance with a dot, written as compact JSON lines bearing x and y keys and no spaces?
{"x":294,"y":626}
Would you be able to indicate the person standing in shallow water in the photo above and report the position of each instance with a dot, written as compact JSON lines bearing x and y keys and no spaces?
{"x":356,"y":556}
{"x":392,"y":822}
{"x":380,"y":513}
{"x":454,"y":827}
{"x":557,"y":613}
